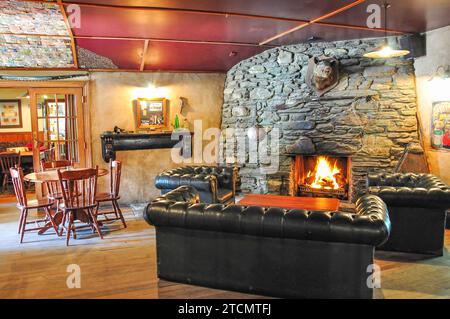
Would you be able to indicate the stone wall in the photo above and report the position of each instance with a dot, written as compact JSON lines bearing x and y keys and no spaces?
{"x":370,"y":114}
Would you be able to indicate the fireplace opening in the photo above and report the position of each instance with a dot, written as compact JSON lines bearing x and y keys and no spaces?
{"x":322,"y":176}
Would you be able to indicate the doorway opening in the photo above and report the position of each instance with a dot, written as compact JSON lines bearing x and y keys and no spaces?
{"x":40,"y":124}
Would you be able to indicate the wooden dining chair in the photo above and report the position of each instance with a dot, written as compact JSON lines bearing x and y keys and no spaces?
{"x":53,"y":188}
{"x":7,"y":161}
{"x":115,"y":171}
{"x":26,"y":162}
{"x":52,"y":164}
{"x":49,"y":154}
{"x":24,"y":205}
{"x":79,"y":190}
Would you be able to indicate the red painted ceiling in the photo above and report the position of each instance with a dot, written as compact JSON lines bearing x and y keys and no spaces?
{"x":296,"y":9}
{"x":326,"y":33}
{"x":403,"y":15}
{"x":126,"y":54}
{"x":189,"y":56}
{"x":109,"y":22}
{"x":118,"y":29}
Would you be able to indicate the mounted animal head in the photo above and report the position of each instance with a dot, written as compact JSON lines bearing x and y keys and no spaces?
{"x":322,"y":74}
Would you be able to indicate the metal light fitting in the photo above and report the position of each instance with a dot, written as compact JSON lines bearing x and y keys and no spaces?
{"x":385,"y":51}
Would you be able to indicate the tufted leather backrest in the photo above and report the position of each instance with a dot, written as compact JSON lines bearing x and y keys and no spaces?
{"x":430,"y":181}
{"x":410,"y":190}
{"x":205,"y":170}
{"x":201,"y":182}
{"x":369,"y":225}
{"x":223,"y":174}
{"x":407,"y":180}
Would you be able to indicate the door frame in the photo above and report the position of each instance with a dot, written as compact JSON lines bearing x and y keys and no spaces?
{"x":63,"y":84}
{"x":84,"y":86}
{"x":42,"y":84}
{"x":78,"y":93}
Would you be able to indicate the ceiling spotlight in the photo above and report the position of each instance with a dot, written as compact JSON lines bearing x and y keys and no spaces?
{"x":385,"y":51}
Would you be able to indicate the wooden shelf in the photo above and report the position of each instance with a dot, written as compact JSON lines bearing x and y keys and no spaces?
{"x":113,"y":142}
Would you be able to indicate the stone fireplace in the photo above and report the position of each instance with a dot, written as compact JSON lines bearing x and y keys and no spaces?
{"x":368,"y":118}
{"x":321,"y":176}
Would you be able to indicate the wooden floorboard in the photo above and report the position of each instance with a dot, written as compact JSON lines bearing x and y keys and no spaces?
{"x":123,"y":265}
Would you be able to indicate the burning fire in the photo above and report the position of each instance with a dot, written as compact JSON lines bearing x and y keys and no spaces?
{"x":324,"y":175}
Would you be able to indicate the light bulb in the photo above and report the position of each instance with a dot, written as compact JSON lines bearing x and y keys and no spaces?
{"x":386,"y":52}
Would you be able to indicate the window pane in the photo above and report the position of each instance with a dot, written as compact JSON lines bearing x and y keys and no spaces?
{"x":71,"y":107}
{"x":42,"y":129}
{"x":72,"y":129}
{"x":51,"y":105}
{"x":62,"y":128}
{"x":63,"y":151}
{"x":61,"y":105}
{"x":57,"y":124}
{"x":53,"y":129}
{"x":73,"y":148}
{"x":41,"y":105}
{"x":40,"y":109}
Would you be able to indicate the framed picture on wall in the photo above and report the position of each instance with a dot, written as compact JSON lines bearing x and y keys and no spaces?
{"x":440,"y":125}
{"x":151,"y":113}
{"x":10,"y":114}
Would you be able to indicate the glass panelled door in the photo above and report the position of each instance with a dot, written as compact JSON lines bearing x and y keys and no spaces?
{"x":57,"y":123}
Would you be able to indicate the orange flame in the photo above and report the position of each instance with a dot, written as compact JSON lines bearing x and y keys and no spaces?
{"x":324,"y":174}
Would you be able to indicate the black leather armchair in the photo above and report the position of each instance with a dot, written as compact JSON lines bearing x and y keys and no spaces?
{"x":271,"y":251}
{"x":417,"y":205}
{"x":215,"y":184}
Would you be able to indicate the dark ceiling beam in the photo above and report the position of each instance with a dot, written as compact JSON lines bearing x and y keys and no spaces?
{"x":135,"y":39}
{"x":36,"y":35}
{"x":69,"y":30}
{"x":355,"y":27}
{"x":17,"y":68}
{"x":144,"y":53}
{"x":102,"y":70}
{"x":315,"y":20}
{"x":174,"y":41}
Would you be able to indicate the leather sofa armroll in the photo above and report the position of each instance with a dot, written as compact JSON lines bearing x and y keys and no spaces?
{"x":226,"y":177}
{"x":187,"y":195}
{"x":370,"y":224}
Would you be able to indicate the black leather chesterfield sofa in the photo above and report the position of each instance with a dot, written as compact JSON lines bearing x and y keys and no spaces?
{"x":269,"y":251}
{"x":215,"y":184}
{"x":417,"y":205}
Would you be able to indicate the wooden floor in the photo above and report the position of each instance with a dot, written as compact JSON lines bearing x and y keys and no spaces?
{"x":123,"y":265}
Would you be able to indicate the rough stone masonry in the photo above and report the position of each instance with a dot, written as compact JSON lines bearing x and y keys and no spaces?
{"x":370,"y":114}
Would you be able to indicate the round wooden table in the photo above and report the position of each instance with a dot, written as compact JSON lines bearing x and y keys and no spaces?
{"x":52,"y":176}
